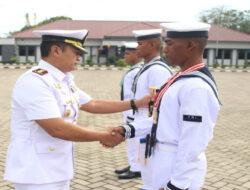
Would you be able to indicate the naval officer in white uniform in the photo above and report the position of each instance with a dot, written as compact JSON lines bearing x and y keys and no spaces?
{"x":185,"y":112}
{"x":45,"y":104}
{"x":131,"y":58}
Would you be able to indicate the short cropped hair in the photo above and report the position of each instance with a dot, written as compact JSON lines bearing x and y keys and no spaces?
{"x":201,"y":42}
{"x":46,"y":47}
{"x":157,"y":42}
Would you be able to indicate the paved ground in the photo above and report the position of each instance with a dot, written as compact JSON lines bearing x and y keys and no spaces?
{"x":228,"y":154}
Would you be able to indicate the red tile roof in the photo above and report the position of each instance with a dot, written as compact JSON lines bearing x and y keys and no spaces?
{"x":101,"y":29}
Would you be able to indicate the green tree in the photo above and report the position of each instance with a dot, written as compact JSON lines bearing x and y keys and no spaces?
{"x":233,"y":19}
{"x":46,"y":21}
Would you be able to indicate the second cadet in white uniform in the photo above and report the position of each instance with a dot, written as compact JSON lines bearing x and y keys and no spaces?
{"x":154,"y":73}
{"x":185,"y":109}
{"x":131,"y":58}
{"x":45,"y":104}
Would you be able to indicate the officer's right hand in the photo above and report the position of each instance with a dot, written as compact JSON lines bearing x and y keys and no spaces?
{"x":144,"y":101}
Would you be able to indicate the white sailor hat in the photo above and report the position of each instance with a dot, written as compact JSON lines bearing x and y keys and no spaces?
{"x":130,"y":45}
{"x":186,"y":30}
{"x":75,"y":38}
{"x":147,"y":34}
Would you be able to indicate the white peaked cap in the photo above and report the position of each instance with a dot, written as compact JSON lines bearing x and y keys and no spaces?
{"x":75,"y":38}
{"x":78,"y":34}
{"x":186,"y":29}
{"x":147,"y":34}
{"x":130,"y":45}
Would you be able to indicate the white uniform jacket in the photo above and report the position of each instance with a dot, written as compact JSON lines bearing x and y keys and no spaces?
{"x":35,"y":157}
{"x":187,"y":116}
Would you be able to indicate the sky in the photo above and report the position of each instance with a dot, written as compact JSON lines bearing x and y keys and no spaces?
{"x":12,"y":12}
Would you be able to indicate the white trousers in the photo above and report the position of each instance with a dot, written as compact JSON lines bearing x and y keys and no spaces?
{"x":162,"y":168}
{"x":62,"y":185}
{"x":133,"y":153}
{"x":146,"y":169}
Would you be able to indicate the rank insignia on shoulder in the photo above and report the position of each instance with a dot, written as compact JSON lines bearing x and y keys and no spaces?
{"x":40,"y":71}
{"x":193,"y":118}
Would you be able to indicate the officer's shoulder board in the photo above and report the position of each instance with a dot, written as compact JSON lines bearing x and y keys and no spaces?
{"x":40,"y":71}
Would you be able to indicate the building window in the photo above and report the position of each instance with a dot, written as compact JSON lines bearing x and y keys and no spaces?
{"x":219,"y":54}
{"x":26,"y":50}
{"x":205,"y":53}
{"x":22,"y":51}
{"x":31,"y":51}
{"x":120,"y":52}
{"x":102,"y":51}
{"x":248,"y":54}
{"x":227,"y":53}
{"x":241,"y":54}
{"x":0,"y":50}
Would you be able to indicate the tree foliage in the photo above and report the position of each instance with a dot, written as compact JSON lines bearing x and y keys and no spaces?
{"x":233,"y":19}
{"x":46,"y":21}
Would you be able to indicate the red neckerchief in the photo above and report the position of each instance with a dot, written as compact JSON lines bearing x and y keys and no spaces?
{"x":172,"y":79}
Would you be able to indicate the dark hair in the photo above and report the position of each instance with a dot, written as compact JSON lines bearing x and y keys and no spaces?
{"x":46,"y":47}
{"x":202,"y":42}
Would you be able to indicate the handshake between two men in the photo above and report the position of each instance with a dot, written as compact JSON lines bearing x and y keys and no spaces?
{"x":118,"y":134}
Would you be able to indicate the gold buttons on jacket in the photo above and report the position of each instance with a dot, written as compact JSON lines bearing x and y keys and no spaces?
{"x":57,"y":86}
{"x":67,"y":113}
{"x":70,"y":101}
{"x":51,"y":148}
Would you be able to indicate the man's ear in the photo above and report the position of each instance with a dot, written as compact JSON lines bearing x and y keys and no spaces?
{"x":55,"y":50}
{"x":191,"y":45}
{"x":152,"y":44}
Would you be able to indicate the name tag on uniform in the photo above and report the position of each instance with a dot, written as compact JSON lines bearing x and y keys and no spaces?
{"x":193,"y":118}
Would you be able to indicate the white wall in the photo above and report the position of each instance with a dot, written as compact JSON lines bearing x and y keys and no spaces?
{"x":7,"y":41}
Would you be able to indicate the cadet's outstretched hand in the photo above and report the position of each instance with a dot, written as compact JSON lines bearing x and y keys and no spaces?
{"x":114,"y":130}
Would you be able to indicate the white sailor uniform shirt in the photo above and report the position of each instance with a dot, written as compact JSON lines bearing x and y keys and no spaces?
{"x":155,"y":76}
{"x":132,"y":144}
{"x":187,"y":116}
{"x":127,"y":92}
{"x":35,"y":157}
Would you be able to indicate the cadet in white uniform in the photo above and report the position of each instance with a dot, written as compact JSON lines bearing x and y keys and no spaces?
{"x":45,"y":104}
{"x":155,"y":73}
{"x":133,"y":170}
{"x":185,"y":112}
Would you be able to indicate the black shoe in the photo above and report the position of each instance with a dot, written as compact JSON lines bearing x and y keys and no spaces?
{"x":129,"y":175}
{"x":122,"y":170}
